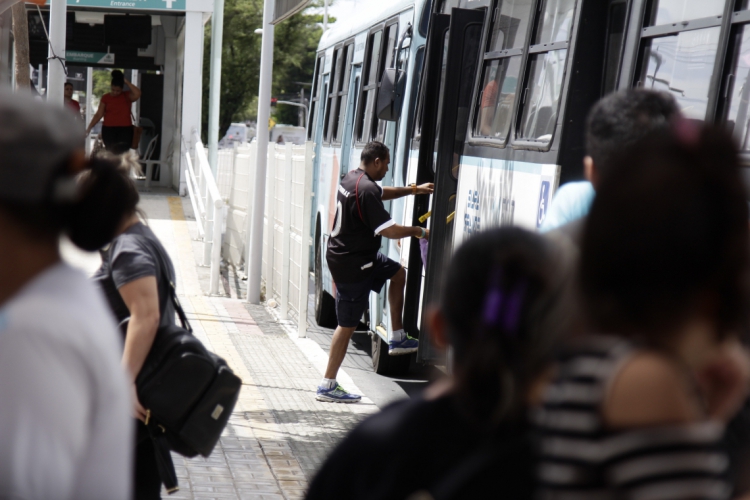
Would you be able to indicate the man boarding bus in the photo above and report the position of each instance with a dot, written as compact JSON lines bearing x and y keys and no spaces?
{"x":357,"y":266}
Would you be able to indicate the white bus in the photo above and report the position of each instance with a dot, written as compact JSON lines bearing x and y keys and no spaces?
{"x":496,"y":96}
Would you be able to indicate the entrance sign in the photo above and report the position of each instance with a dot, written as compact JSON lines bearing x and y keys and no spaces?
{"x":89,"y":57}
{"x":177,"y":5}
{"x":287,"y":8}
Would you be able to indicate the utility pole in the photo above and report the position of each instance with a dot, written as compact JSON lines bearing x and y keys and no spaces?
{"x":56,"y":74}
{"x":214,"y":96}
{"x":325,"y":15}
{"x":21,"y":45}
{"x":255,"y":248}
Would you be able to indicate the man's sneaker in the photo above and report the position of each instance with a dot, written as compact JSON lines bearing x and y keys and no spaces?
{"x":406,"y":346}
{"x":337,"y":395}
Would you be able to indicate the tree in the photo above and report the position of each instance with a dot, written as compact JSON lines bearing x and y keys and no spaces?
{"x":21,"y":45}
{"x":295,"y":43}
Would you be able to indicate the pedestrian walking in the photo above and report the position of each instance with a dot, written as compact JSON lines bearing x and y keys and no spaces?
{"x":639,"y":405}
{"x":502,"y":312}
{"x":115,"y":107}
{"x":69,"y":101}
{"x":64,"y":430}
{"x":131,"y":276}
{"x":357,"y":266}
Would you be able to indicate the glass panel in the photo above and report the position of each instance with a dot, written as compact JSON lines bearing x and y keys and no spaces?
{"x":744,"y":5}
{"x":511,"y":26}
{"x":675,"y":11}
{"x":615,"y":37}
{"x":683,"y":65}
{"x":556,"y":22}
{"x":348,"y":68}
{"x":443,"y":70}
{"x":374,"y":57}
{"x":543,"y":100}
{"x":390,"y":47}
{"x":498,"y":97}
{"x":738,"y":98}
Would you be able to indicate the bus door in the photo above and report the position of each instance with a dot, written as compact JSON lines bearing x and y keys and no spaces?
{"x":461,"y":46}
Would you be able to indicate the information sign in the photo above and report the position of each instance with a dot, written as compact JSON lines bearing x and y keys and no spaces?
{"x":76,"y":56}
{"x":178,"y":5}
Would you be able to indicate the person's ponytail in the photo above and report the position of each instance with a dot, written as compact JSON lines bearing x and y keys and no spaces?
{"x":108,"y":197}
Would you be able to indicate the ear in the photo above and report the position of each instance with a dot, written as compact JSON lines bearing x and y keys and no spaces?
{"x":437,"y":326}
{"x":590,"y":171}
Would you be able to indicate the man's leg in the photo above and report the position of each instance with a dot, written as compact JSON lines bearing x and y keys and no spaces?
{"x":396,"y":299}
{"x":399,"y":343}
{"x":339,"y":344}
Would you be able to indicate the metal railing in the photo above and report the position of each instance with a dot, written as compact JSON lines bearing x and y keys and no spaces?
{"x":208,"y":206}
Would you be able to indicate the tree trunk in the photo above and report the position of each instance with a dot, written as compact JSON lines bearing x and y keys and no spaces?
{"x":21,"y":45}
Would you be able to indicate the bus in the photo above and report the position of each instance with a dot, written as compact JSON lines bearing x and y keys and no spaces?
{"x":494,"y":110}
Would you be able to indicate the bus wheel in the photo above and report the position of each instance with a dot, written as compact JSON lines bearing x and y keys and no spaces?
{"x":385,"y":364}
{"x":325,"y":305}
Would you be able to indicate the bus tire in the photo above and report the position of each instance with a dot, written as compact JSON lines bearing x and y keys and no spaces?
{"x":325,"y":305}
{"x":385,"y":364}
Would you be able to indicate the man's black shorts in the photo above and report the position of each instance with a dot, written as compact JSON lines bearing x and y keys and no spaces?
{"x":352,"y":298}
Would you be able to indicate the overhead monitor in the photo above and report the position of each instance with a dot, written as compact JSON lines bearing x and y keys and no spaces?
{"x":127,"y":31}
{"x":287,"y":8}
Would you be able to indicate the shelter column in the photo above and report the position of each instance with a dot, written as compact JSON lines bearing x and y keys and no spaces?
{"x":56,"y":67}
{"x":191,"y":83}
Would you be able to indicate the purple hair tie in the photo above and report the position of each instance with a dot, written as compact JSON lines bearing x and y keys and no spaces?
{"x":503,"y":309}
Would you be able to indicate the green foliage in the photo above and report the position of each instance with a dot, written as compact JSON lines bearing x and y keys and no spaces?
{"x":102,"y":80}
{"x":295,"y":43}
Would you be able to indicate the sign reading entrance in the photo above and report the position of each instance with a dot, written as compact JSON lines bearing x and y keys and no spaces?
{"x":89,"y":57}
{"x":178,"y":5}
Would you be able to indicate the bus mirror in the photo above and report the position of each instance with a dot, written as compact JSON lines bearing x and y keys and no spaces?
{"x":391,"y":94}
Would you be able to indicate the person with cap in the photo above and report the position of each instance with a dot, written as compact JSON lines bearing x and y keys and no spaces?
{"x":356,"y":265}
{"x":64,"y":404}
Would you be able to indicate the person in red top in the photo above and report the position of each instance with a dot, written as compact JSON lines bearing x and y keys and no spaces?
{"x":117,"y":132}
{"x":69,"y":99}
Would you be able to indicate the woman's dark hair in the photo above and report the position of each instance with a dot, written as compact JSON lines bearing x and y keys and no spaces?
{"x":118,"y":78}
{"x":107,"y":196}
{"x":667,"y":235}
{"x":505,"y":310}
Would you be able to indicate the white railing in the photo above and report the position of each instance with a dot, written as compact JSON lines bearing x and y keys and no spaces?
{"x":286,"y":233}
{"x":208,"y":206}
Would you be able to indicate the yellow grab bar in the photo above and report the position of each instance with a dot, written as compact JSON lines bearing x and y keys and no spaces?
{"x":425,"y":217}
{"x":450,"y":218}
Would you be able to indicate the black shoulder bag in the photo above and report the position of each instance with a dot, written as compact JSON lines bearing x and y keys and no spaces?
{"x":188,"y":392}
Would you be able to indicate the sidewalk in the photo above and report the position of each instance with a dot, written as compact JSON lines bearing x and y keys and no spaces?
{"x":278,"y":434}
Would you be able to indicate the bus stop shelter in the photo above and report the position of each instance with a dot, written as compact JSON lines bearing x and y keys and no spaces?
{"x":166,"y":63}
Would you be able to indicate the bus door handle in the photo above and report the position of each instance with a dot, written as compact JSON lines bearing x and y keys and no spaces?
{"x":450,"y":218}
{"x":426,"y":216}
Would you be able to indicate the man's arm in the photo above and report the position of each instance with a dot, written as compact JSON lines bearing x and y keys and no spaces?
{"x":391,"y":193}
{"x":396,"y":232}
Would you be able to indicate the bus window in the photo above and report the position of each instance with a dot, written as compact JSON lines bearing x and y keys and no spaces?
{"x":315,"y":97}
{"x":386,"y":62}
{"x":556,"y":22}
{"x":683,"y":65}
{"x":493,"y":111}
{"x":342,"y":89}
{"x":330,"y":112}
{"x":676,"y":11}
{"x":738,"y":89}
{"x":541,"y":99}
{"x":615,"y":37}
{"x":369,"y":87}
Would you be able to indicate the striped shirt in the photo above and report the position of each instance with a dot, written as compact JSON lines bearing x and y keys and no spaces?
{"x":581,"y":459}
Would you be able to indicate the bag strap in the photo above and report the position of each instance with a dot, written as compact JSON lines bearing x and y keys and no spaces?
{"x":356,"y":196}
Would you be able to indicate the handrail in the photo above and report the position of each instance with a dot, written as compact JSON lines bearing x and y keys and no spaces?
{"x":205,"y":168}
{"x":196,"y":201}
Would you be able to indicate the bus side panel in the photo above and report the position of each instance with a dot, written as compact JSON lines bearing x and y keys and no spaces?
{"x":494,"y":193}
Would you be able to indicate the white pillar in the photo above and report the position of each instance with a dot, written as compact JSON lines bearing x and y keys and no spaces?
{"x":255,"y":258}
{"x":40,"y":76}
{"x":191,"y":82}
{"x":55,"y":70}
{"x":325,"y":15}
{"x":214,"y":98}
{"x":89,"y":102}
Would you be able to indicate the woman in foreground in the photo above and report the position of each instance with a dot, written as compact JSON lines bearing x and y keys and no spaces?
{"x":501,"y":312}
{"x":638,"y":408}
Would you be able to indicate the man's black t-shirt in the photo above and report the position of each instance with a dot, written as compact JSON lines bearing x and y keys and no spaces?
{"x":355,"y":237}
{"x":420,"y":445}
{"x":136,"y":253}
